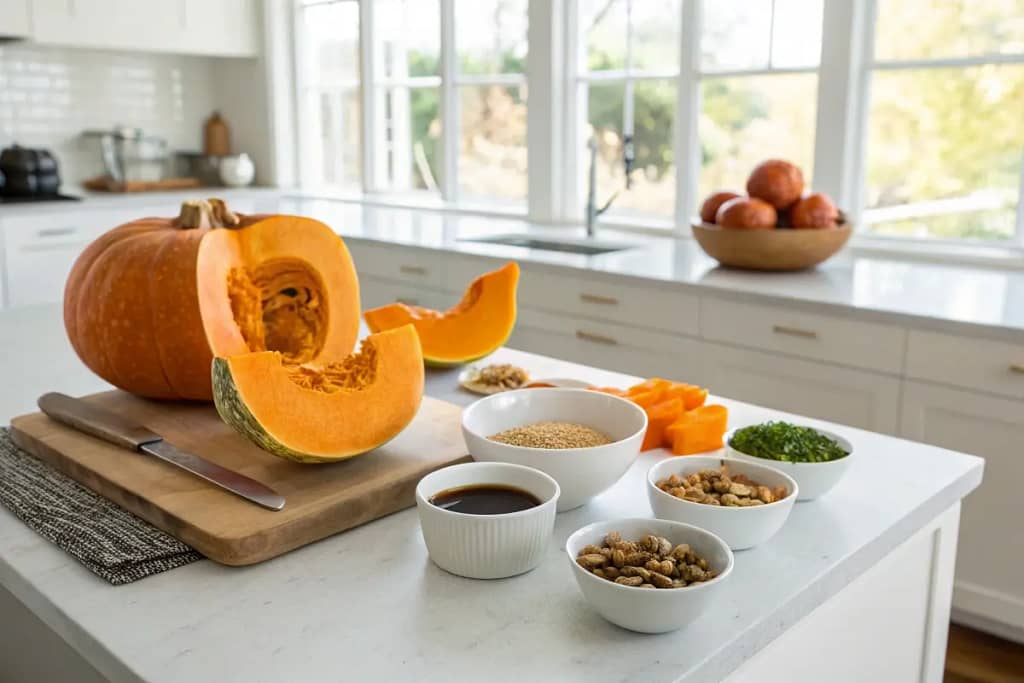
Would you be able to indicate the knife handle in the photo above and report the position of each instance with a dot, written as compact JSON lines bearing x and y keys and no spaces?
{"x":96,"y":421}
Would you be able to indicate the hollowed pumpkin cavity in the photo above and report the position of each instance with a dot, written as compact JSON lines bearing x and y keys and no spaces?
{"x":280,"y":305}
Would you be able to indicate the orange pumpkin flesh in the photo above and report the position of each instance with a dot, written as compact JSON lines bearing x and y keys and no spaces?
{"x":474,"y":328}
{"x":323,"y":412}
{"x":149,"y":304}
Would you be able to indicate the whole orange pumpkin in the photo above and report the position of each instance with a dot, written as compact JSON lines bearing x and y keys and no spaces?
{"x":150,"y":303}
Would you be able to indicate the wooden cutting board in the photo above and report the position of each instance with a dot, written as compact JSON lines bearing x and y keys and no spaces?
{"x":321,"y":499}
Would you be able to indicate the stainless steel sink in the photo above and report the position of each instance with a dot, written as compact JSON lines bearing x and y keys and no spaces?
{"x":586,"y":248}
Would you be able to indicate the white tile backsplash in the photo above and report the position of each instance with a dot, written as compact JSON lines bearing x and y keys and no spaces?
{"x":48,"y":96}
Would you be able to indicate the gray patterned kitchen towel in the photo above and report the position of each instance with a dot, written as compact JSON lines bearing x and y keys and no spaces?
{"x":111,"y":542}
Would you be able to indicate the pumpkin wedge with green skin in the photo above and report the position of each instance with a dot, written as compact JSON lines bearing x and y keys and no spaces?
{"x":477,"y":326}
{"x":323,"y":413}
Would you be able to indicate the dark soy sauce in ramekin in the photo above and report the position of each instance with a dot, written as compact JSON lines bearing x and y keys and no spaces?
{"x":485,"y":499}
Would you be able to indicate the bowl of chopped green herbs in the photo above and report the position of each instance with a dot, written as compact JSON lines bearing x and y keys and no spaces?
{"x":815,"y":458}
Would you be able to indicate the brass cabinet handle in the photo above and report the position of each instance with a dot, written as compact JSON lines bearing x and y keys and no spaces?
{"x":55,"y":232}
{"x":1017,"y":367}
{"x":794,"y":332}
{"x":413,"y":270}
{"x":408,"y":301}
{"x":598,"y":299}
{"x":597,"y":338}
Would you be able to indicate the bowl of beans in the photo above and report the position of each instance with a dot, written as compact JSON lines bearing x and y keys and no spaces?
{"x":744,"y":503}
{"x":649,"y":575}
{"x":585,"y":440}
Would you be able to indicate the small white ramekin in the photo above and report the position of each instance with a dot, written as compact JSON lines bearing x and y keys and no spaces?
{"x":487,"y":546}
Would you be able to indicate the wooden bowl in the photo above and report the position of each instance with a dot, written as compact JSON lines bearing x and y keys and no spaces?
{"x":777,"y":249}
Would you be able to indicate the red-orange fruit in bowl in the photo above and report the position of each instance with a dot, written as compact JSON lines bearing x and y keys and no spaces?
{"x":777,"y":182}
{"x":814,"y":211}
{"x":709,"y":209}
{"x":746,"y":213}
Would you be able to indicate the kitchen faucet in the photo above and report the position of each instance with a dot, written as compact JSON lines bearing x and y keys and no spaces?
{"x":592,"y":209}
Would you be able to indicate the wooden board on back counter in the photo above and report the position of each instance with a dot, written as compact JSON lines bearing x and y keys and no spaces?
{"x":321,"y":499}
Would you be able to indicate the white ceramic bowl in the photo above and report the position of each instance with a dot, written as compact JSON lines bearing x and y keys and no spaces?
{"x":739,"y":527}
{"x":815,"y":479}
{"x":487,"y":546}
{"x":582,"y":473}
{"x":644,"y":609}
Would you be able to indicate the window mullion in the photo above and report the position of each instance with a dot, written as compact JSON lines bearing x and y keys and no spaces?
{"x":686,"y":141}
{"x":574,"y":120}
{"x":370,"y":118}
{"x":449,"y":105}
{"x":854,"y":180}
{"x":842,"y":105}
{"x":1018,"y":235}
{"x":544,"y":114}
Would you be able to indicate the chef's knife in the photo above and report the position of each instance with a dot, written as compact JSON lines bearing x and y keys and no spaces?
{"x":120,"y":431}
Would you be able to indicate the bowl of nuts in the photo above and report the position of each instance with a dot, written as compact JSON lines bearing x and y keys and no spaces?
{"x":585,"y":440}
{"x":648,"y":575}
{"x":743,"y":502}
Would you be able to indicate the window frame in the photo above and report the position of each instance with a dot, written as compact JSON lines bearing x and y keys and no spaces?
{"x":557,"y":170}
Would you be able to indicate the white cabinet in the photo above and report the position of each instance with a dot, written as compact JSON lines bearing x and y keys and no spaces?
{"x":816,"y":336}
{"x":14,"y":19}
{"x":989,"y":580}
{"x":852,"y":397}
{"x":608,"y":346}
{"x":39,"y":252}
{"x":994,"y":367}
{"x":222,"y":28}
{"x":374,"y":292}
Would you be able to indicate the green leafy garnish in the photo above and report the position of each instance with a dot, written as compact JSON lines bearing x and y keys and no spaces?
{"x":786,"y":442}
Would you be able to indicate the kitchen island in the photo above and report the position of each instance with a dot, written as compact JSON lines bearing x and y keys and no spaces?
{"x":855,"y":587}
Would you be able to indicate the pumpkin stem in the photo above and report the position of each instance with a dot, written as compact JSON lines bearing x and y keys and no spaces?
{"x":206,"y":213}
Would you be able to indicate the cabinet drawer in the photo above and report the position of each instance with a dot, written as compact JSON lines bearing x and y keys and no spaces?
{"x":574,"y":294}
{"x":843,"y":395}
{"x":983,"y":364}
{"x":608,"y":346}
{"x":401,"y":264}
{"x":820,"y":337}
{"x":374,"y":292}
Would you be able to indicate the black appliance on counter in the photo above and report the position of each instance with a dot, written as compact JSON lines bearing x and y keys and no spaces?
{"x":29,"y":175}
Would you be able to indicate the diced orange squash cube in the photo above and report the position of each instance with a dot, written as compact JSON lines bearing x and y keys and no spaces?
{"x":652,"y":384}
{"x":698,"y":430}
{"x":691,"y":395}
{"x":660,"y":416}
{"x":645,"y":399}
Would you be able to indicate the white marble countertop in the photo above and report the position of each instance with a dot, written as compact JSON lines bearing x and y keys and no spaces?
{"x":369,"y":605}
{"x":962,"y":299}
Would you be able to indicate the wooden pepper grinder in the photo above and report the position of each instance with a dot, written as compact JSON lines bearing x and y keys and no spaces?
{"x":216,"y":136}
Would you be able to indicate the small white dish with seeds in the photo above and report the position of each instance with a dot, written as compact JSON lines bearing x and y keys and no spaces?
{"x":585,"y":440}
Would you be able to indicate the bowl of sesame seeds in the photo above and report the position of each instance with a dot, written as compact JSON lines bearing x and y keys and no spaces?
{"x":585,"y":440}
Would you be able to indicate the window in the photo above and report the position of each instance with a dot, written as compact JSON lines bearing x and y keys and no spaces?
{"x":448,"y":128}
{"x":328,"y":61}
{"x":945,"y":133}
{"x":628,"y":65}
{"x":910,"y":113}
{"x":753,"y":92}
{"x":758,"y":65}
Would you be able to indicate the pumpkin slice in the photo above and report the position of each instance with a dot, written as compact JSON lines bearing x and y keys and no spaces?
{"x":323,"y":412}
{"x":474,"y":328}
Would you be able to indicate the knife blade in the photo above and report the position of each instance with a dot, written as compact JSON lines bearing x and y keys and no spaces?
{"x":122,"y":432}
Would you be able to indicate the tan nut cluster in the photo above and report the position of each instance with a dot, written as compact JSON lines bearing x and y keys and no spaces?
{"x":504,"y":376}
{"x":651,"y":562}
{"x":718,"y":487}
